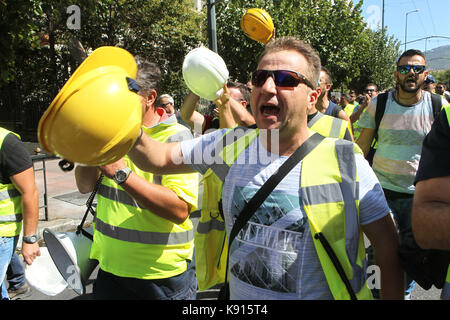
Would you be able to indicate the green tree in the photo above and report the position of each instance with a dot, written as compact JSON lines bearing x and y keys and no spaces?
{"x":161,"y":31}
{"x":18,"y":32}
{"x":442,"y":76}
{"x":375,"y":61}
{"x":331,"y":27}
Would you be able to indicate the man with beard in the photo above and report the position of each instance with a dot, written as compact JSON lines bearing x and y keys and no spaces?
{"x":406,"y":121}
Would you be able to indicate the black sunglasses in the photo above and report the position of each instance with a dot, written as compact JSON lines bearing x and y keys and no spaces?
{"x":405,"y":69}
{"x":282,"y":78}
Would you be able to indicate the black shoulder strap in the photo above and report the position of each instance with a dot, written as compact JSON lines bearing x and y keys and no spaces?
{"x":261,"y":195}
{"x":379,"y":113}
{"x":436,"y":101}
{"x":89,"y":205}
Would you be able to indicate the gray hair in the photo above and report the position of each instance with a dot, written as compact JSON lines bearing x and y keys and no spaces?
{"x":169,"y":97}
{"x":305,"y":49}
{"x":148,"y":75}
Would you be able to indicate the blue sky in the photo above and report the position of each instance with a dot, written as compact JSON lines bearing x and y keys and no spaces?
{"x":432,"y":19}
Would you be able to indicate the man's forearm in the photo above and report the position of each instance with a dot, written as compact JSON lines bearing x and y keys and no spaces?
{"x":226,"y":119}
{"x":431,"y":213}
{"x":188,"y":113}
{"x":86,"y":178}
{"x":30,"y":209}
{"x":158,"y":199}
{"x":383,"y":236}
{"x":240,"y":114}
{"x":157,"y":157}
{"x":392,"y":275}
{"x":431,"y":225}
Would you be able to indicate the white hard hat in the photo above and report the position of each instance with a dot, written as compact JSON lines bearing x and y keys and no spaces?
{"x":205,"y":73}
{"x":44,"y":276}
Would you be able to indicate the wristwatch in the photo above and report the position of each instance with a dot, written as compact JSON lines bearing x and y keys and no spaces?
{"x":30,"y":239}
{"x":121,"y":175}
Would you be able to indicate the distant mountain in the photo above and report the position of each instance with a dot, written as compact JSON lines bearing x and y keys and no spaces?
{"x":438,"y":58}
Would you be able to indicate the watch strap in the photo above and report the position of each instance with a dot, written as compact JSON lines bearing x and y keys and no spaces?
{"x":30,"y":239}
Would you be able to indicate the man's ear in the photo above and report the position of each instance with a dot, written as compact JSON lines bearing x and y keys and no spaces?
{"x":319,"y":91}
{"x":151,"y":98}
{"x":396,"y":76}
{"x":313,"y":95}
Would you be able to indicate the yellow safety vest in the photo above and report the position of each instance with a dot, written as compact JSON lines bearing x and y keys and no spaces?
{"x":10,"y":203}
{"x":130,"y":241}
{"x":329,"y":126}
{"x":349,"y":108}
{"x":338,"y":220}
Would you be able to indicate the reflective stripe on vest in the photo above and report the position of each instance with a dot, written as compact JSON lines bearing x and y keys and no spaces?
{"x":117,"y":195}
{"x":10,"y":201}
{"x":11,"y":218}
{"x":145,"y":237}
{"x":9,"y":195}
{"x":212,"y":224}
{"x":328,"y":126}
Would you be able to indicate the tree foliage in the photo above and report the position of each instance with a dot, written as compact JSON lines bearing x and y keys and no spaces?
{"x":18,"y":33}
{"x":335,"y":28}
{"x":40,"y":52}
{"x":442,"y":76}
{"x":376,"y":60}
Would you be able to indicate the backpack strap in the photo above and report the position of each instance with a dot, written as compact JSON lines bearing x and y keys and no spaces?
{"x":436,"y":101}
{"x":379,"y":113}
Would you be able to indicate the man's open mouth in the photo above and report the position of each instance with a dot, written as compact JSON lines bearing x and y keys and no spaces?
{"x":270,"y":110}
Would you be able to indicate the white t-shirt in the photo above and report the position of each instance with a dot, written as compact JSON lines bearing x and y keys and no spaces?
{"x":400,"y":136}
{"x":273,"y":257}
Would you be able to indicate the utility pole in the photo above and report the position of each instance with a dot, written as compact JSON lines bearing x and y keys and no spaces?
{"x":382,"y":15}
{"x":212,"y":34}
{"x":406,"y":24}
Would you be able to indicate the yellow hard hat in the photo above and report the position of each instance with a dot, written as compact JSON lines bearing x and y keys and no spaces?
{"x":96,"y":117}
{"x":257,"y":24}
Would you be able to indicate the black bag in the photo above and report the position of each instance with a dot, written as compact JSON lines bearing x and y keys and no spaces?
{"x":426,"y":267}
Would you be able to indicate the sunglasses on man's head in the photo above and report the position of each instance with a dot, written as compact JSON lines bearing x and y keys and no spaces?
{"x":404,"y":69}
{"x":282,"y":78}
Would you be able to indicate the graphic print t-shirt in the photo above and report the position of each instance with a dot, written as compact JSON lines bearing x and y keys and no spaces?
{"x":273,"y":256}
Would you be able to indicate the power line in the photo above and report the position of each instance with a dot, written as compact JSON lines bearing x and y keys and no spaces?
{"x":420,"y":18}
{"x":431,"y":18}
